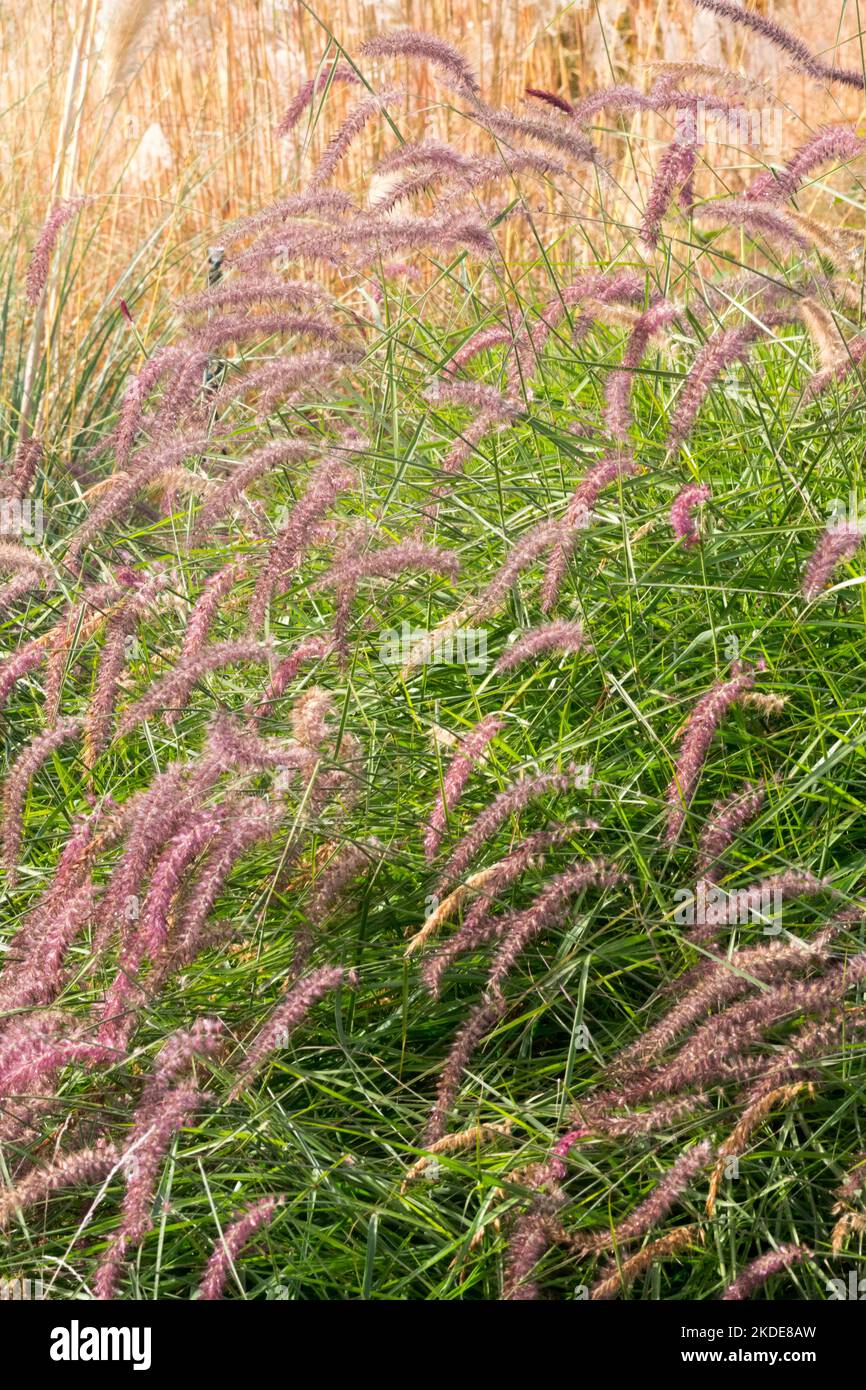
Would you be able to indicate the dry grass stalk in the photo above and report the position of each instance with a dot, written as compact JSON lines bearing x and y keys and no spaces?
{"x":454,"y":1143}
{"x":631,"y":1268}
{"x":736,"y":1141}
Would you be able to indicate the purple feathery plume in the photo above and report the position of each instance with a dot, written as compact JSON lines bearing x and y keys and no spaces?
{"x":203,"y":1039}
{"x":19,"y":585}
{"x":154,"y":1127}
{"x":170,"y":694}
{"x":255,"y":824}
{"x":164,"y":1109}
{"x":830,"y":142}
{"x":696,"y":739}
{"x":722,"y":350}
{"x":310,"y":716}
{"x":854,"y":351}
{"x":331,"y":477}
{"x":144,"y":467}
{"x":83,"y":619}
{"x":443,"y":231}
{"x":318,"y":743}
{"x":479,"y":923}
{"x":523,"y":553}
{"x":551,"y":99}
{"x":471,"y":749}
{"x":35,"y":970}
{"x":433,"y":154}
{"x":351,"y":127}
{"x":207,"y":605}
{"x":639,"y":1123}
{"x":286,"y":1017}
{"x":725,"y":821}
{"x":722,"y":981}
{"x":286,"y":380}
{"x":431,"y":162}
{"x":485,"y":338}
{"x":335,"y":879}
{"x":610,"y":288}
{"x":69,"y":1170}
{"x":620,"y":97}
{"x":560,"y":636}
{"x":155,"y":814}
{"x":240,"y":328}
{"x":475,"y":394}
{"x":520,"y":927}
{"x":14,"y":558}
{"x":657,"y":1205}
{"x":410,"y":43}
{"x":330,"y":889}
{"x":120,"y":627}
{"x":38,"y":1043}
{"x":231,"y":1242}
{"x":235,"y":294}
{"x":335,"y":72}
{"x":166,"y":361}
{"x":40,"y":259}
{"x":509,"y":802}
{"x":672,"y":176}
{"x":560,"y":135}
{"x":839,"y":542}
{"x":37,"y":976}
{"x":682,"y":514}
{"x":774,"y":1261}
{"x":465,"y":443}
{"x":183,"y":397}
{"x":783,"y":39}
{"x":222,"y":498}
{"x":387,"y":563}
{"x":529,"y":1240}
{"x":755,"y":216}
{"x":479,"y":1022}
{"x":28,"y":456}
{"x":169,"y":876}
{"x":318,"y":202}
{"x":617,"y":412}
{"x":15,"y":667}
{"x":18,"y":780}
{"x":233,"y":744}
{"x":814,"y":1039}
{"x":309,"y":649}
{"x":368,"y":238}
{"x":717,"y":1051}
{"x":149,"y":938}
{"x":577,"y":518}
{"x":495,"y":410}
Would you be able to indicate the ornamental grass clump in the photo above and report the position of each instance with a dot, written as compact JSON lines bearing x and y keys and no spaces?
{"x":515,"y":939}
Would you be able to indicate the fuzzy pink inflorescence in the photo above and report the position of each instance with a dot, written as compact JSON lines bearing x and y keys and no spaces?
{"x":799,"y":52}
{"x":682,"y":514}
{"x":830,"y":142}
{"x":763,"y":1268}
{"x":232,"y":1241}
{"x":411,"y":43}
{"x":839,"y":542}
{"x":698,"y":735}
{"x":562,"y":636}
{"x":286,"y":1017}
{"x":472,"y":748}
{"x":40,"y":259}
